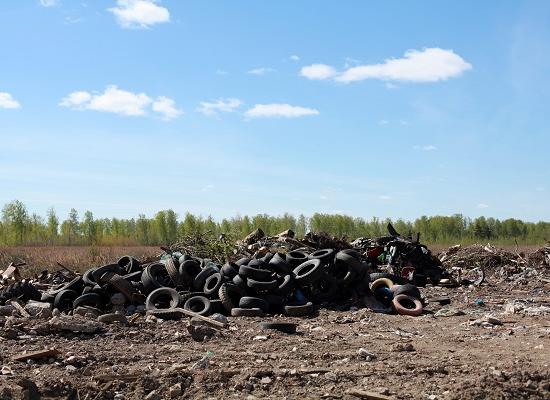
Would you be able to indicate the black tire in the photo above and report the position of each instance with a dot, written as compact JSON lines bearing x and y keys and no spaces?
{"x":295,"y":258}
{"x":279,"y":264}
{"x":274,"y":300}
{"x":100,"y":271}
{"x":200,"y":279}
{"x":23,"y":290}
{"x":408,"y":289}
{"x":243,"y":261}
{"x":325,"y":255}
{"x":261,"y":285}
{"x":199,"y":304}
{"x":308,"y":272}
{"x":285,"y":327}
{"x":345,"y":258}
{"x":247,"y":312}
{"x":299,"y":311}
{"x":189,"y":269}
{"x":88,"y":299}
{"x":255,"y":273}
{"x":213,"y":283}
{"x":253,"y":302}
{"x":64,"y":299}
{"x":230,"y":295}
{"x":88,"y":277}
{"x":229,"y":270}
{"x":267,"y":257}
{"x":394,"y":278}
{"x":240,"y":282}
{"x":352,"y":252}
{"x":76,"y":284}
{"x":162,"y":298}
{"x":324,"y":289}
{"x":128,"y":264}
{"x":173,"y":271}
{"x":286,"y":286}
{"x":154,"y":276}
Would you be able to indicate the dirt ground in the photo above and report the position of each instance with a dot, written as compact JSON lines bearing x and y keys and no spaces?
{"x":428,"y":357}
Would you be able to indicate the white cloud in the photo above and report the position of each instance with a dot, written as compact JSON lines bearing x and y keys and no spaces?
{"x":294,"y":57}
{"x":118,"y":101}
{"x":7,"y":101}
{"x":221,"y":72}
{"x":428,"y":147}
{"x":48,"y":3}
{"x":427,"y":65}
{"x":318,"y":72}
{"x":279,"y":111}
{"x":482,"y":205}
{"x":167,"y":107}
{"x":139,"y":13}
{"x":384,"y":197}
{"x":220,"y":105}
{"x":261,"y":71}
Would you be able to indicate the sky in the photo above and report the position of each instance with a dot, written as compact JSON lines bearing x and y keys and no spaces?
{"x":380,"y":108}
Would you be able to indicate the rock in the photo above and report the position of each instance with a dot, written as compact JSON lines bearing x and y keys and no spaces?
{"x":87,"y":311}
{"x":266,"y":380}
{"x":448,"y":312}
{"x":70,"y":368}
{"x":56,"y":312}
{"x":75,"y":324}
{"x":6,"y":370}
{"x":367,"y":355}
{"x":175,"y":390}
{"x":35,"y":307}
{"x":113,"y":318}
{"x":220,"y":318}
{"x":154,"y":395}
{"x":403,"y":347}
{"x":6,"y":310}
{"x":118,"y":299}
{"x":259,"y":338}
{"x":492,"y":320}
{"x":71,"y":360}
{"x":200,"y":332}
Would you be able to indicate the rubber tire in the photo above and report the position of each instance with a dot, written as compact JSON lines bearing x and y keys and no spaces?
{"x":402,"y":310}
{"x":286,"y":286}
{"x":253,"y":302}
{"x":230,"y":295}
{"x":408,"y":289}
{"x":209,"y":287}
{"x":308,"y":272}
{"x":64,"y":299}
{"x":200,"y":279}
{"x":279,"y":264}
{"x":381,"y":282}
{"x":255,"y":273}
{"x":284,"y":327}
{"x":150,"y":277}
{"x":189,"y":269}
{"x":150,"y":302}
{"x":345,"y":258}
{"x":295,"y":258}
{"x":198,"y":300}
{"x":394,"y":278}
{"x":89,"y":299}
{"x":128,"y":264}
{"x":240,"y":282}
{"x":261,"y":285}
{"x":299,"y":311}
{"x":229,"y":270}
{"x":325,"y":255}
{"x":247,"y":312}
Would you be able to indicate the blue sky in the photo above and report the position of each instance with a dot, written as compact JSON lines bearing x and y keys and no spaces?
{"x":389,"y":109}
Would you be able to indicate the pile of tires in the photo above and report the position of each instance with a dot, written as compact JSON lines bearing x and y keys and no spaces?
{"x":396,"y":292}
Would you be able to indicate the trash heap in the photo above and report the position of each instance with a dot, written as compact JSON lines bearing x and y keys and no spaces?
{"x":268,"y":275}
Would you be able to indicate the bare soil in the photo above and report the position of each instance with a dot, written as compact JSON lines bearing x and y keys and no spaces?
{"x":426,"y":357}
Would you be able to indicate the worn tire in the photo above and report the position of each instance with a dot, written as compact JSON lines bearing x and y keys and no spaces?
{"x":325,"y":255}
{"x":89,"y":299}
{"x":200,"y":279}
{"x":253,"y":302}
{"x":261,"y":285}
{"x":199,"y":304}
{"x":154,"y":276}
{"x":247,"y":312}
{"x":64,"y":299}
{"x":308,"y":272}
{"x":213,"y":283}
{"x":255,"y":273}
{"x":295,"y":258}
{"x":402,"y":304}
{"x":168,"y":296}
{"x":299,"y":311}
{"x":408,"y":289}
{"x":230,"y":295}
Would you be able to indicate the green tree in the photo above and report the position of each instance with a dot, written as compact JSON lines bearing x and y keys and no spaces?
{"x":53,"y":225}
{"x":15,"y":217}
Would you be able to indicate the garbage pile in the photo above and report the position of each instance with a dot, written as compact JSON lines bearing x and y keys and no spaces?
{"x":277,"y":275}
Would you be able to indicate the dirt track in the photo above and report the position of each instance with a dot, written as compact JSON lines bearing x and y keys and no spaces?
{"x":450,"y":359}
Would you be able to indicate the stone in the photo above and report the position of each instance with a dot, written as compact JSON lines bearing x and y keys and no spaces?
{"x":75,"y":324}
{"x":367,"y":355}
{"x":118,"y":299}
{"x":448,"y":312}
{"x":35,"y":307}
{"x":175,"y":390}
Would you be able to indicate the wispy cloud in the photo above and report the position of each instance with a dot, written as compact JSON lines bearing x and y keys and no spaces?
{"x":276,"y":110}
{"x":261,"y":71}
{"x":7,"y":101}
{"x":384,"y":197}
{"x":318,"y":72}
{"x":122,"y":102}
{"x":49,"y":3}
{"x":139,"y":14}
{"x":221,"y":72}
{"x":482,"y":205}
{"x":219,"y":106}
{"x":427,"y":147}
{"x":427,"y":65}
{"x":294,"y":57}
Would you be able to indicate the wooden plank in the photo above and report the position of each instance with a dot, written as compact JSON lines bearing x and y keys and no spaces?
{"x":36,"y":354}
{"x":211,"y":321}
{"x":20,"y":308}
{"x":364,"y":394}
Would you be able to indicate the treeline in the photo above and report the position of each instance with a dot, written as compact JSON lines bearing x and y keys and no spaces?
{"x":18,"y":227}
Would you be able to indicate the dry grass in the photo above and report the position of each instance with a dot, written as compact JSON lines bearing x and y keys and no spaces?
{"x":76,"y":258}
